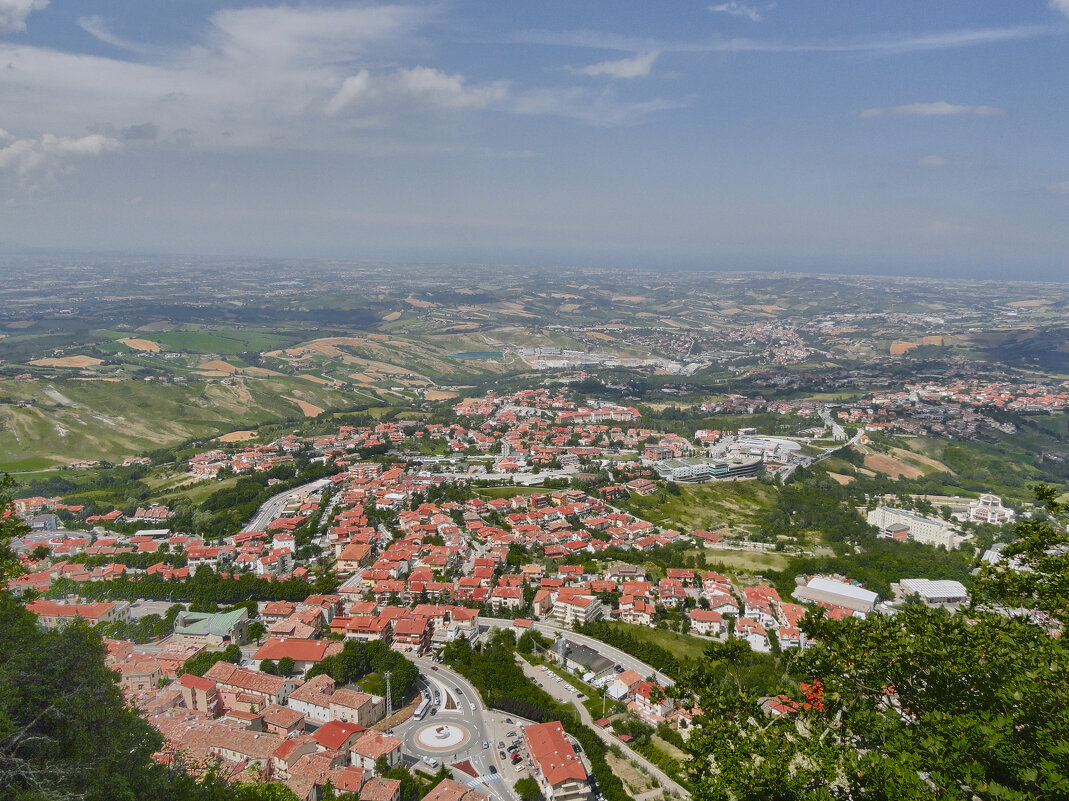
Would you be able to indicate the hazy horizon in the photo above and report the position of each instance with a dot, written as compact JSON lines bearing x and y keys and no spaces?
{"x":906,"y":139}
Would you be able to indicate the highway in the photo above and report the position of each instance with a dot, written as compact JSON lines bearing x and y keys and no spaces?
{"x":273,"y":507}
{"x":619,"y":657}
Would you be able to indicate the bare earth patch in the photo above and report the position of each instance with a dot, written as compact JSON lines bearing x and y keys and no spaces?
{"x":236,"y":436}
{"x":218,"y":365}
{"x":844,"y":480}
{"x":898,"y":348}
{"x":439,"y":394}
{"x":68,"y":361}
{"x":392,"y":316}
{"x":141,"y":344}
{"x":307,"y":409}
{"x":314,"y":378}
{"x":891,"y":466}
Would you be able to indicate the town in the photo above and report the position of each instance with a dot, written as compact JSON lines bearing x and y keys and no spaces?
{"x":344,"y":669}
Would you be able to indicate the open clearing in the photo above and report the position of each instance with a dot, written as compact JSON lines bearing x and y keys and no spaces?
{"x":315,"y":378}
{"x":68,"y":361}
{"x":218,"y":365}
{"x":890,"y":466}
{"x":844,"y":480}
{"x":307,"y":409}
{"x":745,"y":561}
{"x":236,"y":436}
{"x":681,"y":644}
{"x":439,"y":394}
{"x":141,"y":344}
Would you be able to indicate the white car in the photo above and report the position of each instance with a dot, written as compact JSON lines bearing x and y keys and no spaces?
{"x":472,"y":707}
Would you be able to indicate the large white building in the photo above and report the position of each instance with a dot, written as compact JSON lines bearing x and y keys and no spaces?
{"x":950,"y":594}
{"x":926,"y":530}
{"x":989,"y":509}
{"x":837,"y":593}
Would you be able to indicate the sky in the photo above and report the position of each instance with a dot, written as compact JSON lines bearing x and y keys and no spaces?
{"x":903,"y":136}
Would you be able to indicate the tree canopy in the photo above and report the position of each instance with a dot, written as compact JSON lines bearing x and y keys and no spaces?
{"x":923,"y":704}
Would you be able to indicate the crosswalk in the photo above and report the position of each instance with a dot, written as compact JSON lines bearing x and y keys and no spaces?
{"x":485,"y":778}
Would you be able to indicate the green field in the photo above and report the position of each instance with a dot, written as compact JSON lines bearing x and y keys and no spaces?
{"x":705,"y":506}
{"x":70,"y":419}
{"x":224,"y":341}
{"x":685,"y":645}
{"x":743,"y":561}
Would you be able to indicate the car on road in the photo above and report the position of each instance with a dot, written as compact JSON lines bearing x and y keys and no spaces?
{"x":493,"y":769}
{"x":486,"y":744}
{"x":434,"y":667}
{"x":458,"y":691}
{"x":430,"y":761}
{"x":501,"y":754}
{"x":472,"y":706}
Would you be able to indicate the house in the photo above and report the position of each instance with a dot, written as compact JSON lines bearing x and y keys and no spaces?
{"x":238,"y":686}
{"x":623,"y":685}
{"x":304,"y":653}
{"x":706,"y":622}
{"x":650,"y":703}
{"x":412,"y":635}
{"x":336,"y":735}
{"x":570,"y":610}
{"x":449,"y":790}
{"x":379,"y":789}
{"x":199,"y":693}
{"x":51,"y":614}
{"x":282,"y":720}
{"x":373,"y":746}
{"x":560,"y":772}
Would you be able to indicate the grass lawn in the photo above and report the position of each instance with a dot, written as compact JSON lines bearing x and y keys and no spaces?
{"x":507,"y":492}
{"x":744,"y":561}
{"x":706,"y":506}
{"x":680,"y":644}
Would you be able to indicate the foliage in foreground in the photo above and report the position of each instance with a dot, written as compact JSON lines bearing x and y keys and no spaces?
{"x":921,"y":705}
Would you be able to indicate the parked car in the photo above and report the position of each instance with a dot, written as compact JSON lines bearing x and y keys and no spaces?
{"x":511,"y":734}
{"x":486,"y":744}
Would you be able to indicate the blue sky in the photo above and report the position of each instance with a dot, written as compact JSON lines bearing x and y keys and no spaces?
{"x":913,"y":137}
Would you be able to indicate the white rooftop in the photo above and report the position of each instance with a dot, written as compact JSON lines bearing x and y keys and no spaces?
{"x":935,"y":589}
{"x":849,"y":590}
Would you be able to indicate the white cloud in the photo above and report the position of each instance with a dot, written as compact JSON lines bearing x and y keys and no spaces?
{"x":596,"y":109}
{"x":50,"y":153}
{"x":737,"y":9}
{"x":98,"y":29}
{"x":932,"y":162}
{"x":13,"y":13}
{"x":1060,"y":5}
{"x":636,"y":67}
{"x":938,"y":109}
{"x":419,"y":86}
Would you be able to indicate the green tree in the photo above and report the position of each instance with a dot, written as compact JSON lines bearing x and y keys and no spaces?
{"x":919,"y":705}
{"x":527,"y":789}
{"x":285,"y":666}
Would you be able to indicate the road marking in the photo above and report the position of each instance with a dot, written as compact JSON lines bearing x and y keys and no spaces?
{"x":485,"y":778}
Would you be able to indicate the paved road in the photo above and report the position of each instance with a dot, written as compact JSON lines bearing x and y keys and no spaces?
{"x":619,"y":657}
{"x":272,"y":508}
{"x":480,"y":724}
{"x":557,"y":690}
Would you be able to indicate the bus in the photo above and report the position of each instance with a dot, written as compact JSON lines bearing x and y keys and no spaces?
{"x":421,"y":710}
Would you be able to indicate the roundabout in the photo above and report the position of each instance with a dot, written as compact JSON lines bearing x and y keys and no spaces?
{"x":439,"y":737}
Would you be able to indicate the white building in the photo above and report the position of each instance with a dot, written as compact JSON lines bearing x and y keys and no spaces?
{"x":926,"y":530}
{"x":950,"y":594}
{"x":837,"y":593}
{"x":989,"y":509}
